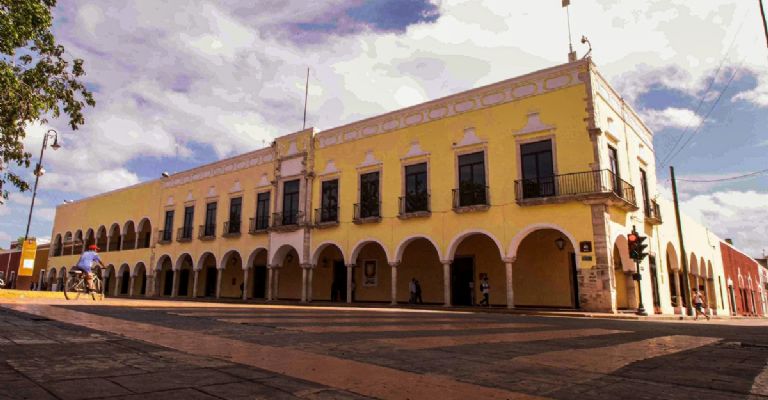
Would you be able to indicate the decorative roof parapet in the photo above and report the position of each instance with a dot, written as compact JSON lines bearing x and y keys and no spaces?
{"x":221,"y":167}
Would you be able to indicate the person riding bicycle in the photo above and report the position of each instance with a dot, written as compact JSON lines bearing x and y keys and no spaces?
{"x":86,"y":262}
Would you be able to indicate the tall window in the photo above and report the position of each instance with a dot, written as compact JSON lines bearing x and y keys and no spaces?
{"x":210,"y":219}
{"x":168,"y":227}
{"x":369,"y":195}
{"x":644,"y":188}
{"x":472,"y":184}
{"x":262,"y":211}
{"x":416,"y":194}
{"x":538,"y":169}
{"x":291,"y":202}
{"x":235,"y":209}
{"x":613,"y":164}
{"x":189,"y":215}
{"x":329,"y":202}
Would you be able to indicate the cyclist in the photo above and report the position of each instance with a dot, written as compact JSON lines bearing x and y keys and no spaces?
{"x":86,"y":262}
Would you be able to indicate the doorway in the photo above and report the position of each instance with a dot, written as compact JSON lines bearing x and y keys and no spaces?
{"x":339,"y":284}
{"x":259,"y":281}
{"x":654,"y":285}
{"x":210,"y":281}
{"x":184,"y":282}
{"x":462,"y":273}
{"x":168,"y":287}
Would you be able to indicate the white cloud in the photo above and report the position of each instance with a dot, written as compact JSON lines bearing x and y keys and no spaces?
{"x":5,"y":240}
{"x":758,"y":95}
{"x":45,"y":213}
{"x":88,"y":184}
{"x":738,"y":215}
{"x":671,"y":117}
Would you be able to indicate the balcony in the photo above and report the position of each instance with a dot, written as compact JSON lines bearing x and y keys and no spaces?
{"x":184,"y":234}
{"x":206,"y":232}
{"x":577,"y":186}
{"x":286,"y":221}
{"x":414,"y":205}
{"x":471,"y":197}
{"x":163,"y":236}
{"x":366,"y":212}
{"x":326,"y":216}
{"x":653,"y":213}
{"x":231,"y":228}
{"x":260,"y":224}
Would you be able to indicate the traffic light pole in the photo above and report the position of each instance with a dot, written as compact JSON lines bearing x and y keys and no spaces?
{"x":640,"y":307}
{"x":684,"y":260}
{"x":635,"y":242}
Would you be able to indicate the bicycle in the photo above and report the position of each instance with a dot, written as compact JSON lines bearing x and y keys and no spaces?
{"x":76,"y":284}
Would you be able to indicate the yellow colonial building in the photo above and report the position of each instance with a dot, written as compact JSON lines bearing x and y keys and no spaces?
{"x":533,"y":182}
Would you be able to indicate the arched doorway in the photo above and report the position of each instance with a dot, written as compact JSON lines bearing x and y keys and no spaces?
{"x":124,"y":280}
{"x":144,"y":234}
{"x":101,"y":238}
{"x":185,"y":269}
{"x":165,"y":276}
{"x":62,"y":279}
{"x":673,"y":271}
{"x":90,"y":238}
{"x":140,"y":280}
{"x":53,"y":280}
{"x":114,"y":238}
{"x":110,"y":280}
{"x":78,"y":242}
{"x":420,"y":262}
{"x":288,"y":285}
{"x":329,"y":278}
{"x":231,"y":284}
{"x":372,"y":275}
{"x":258,"y":281}
{"x":545,"y":270}
{"x":57,"y":246}
{"x":206,"y":283}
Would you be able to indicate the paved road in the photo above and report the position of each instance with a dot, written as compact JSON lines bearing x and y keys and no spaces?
{"x":133,"y":349}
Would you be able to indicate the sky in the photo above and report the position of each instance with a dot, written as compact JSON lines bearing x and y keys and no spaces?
{"x":179,"y":84}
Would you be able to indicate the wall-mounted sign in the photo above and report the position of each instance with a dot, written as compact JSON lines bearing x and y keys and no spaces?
{"x":27,"y":262}
{"x":586,"y":258}
{"x":585,"y":246}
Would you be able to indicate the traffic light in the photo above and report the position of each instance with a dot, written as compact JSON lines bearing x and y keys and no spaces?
{"x":636,"y":246}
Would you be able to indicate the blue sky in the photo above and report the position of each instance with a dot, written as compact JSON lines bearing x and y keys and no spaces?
{"x":184,"y":84}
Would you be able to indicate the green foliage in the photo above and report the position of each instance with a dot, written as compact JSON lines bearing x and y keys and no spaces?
{"x":36,"y":82}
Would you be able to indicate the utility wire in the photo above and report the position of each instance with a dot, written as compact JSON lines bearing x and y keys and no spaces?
{"x":733,"y":178}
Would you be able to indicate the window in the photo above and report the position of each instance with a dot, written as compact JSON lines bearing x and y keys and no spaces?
{"x":538,"y":169}
{"x":189,"y":215}
{"x":329,"y":201}
{"x":416,"y":194}
{"x":613,"y":164}
{"x":472,"y":185}
{"x":644,"y":188}
{"x":262,"y":212}
{"x":210,"y":220}
{"x":168,"y":228}
{"x":369,"y":195}
{"x":291,"y":202}
{"x":235,"y":209}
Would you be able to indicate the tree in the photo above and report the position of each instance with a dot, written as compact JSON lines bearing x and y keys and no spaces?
{"x":36,"y":82}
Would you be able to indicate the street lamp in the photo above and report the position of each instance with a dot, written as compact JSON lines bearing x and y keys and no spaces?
{"x":39,"y":170}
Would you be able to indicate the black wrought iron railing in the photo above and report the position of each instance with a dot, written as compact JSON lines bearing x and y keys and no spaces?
{"x":184,"y":234}
{"x":287,"y":218}
{"x":470,"y":194}
{"x":576,"y":183}
{"x":653,"y":211}
{"x":164,"y":236}
{"x":327,"y":215}
{"x":258,"y":224}
{"x":232,"y":228}
{"x":367,"y":210}
{"x":414,"y":203}
{"x":206,"y":232}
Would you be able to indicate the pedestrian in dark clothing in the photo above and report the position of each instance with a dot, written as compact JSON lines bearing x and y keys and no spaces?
{"x":485,"y":287}
{"x":418,"y":293}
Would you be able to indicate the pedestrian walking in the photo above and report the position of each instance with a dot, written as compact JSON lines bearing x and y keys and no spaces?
{"x":412,"y":291}
{"x":417,"y":298}
{"x":698,"y":303}
{"x":485,"y":288}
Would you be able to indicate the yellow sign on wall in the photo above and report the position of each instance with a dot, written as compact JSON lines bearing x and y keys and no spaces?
{"x":27,"y":262}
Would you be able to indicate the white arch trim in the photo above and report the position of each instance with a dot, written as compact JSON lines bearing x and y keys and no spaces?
{"x":319,"y":250}
{"x":467,"y":233}
{"x":177,"y":264}
{"x":135,"y":270}
{"x":199,"y":265}
{"x":282,"y":252}
{"x":123,"y":268}
{"x":404,"y":244}
{"x":359,"y":246}
{"x":159,"y":265}
{"x":252,"y":256}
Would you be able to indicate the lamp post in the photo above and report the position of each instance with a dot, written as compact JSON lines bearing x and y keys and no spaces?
{"x":39,"y":171}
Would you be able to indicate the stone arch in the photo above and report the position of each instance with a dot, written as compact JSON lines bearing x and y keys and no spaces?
{"x":90,"y":237}
{"x":225,"y":258}
{"x":319,"y":250}
{"x":257,"y":264}
{"x":673,"y":262}
{"x":78,"y":242}
{"x":207,"y":267}
{"x":114,"y":237}
{"x":405,"y":242}
{"x":161,"y":260}
{"x":185,"y":266}
{"x":52,"y":279}
{"x":56,"y":244}
{"x":623,"y":268}
{"x":230,"y":270}
{"x":123,"y":280}
{"x":110,"y":278}
{"x":281,"y":253}
{"x":454,"y":244}
{"x":129,"y":236}
{"x":362,"y":243}
{"x":545,"y":275}
{"x":180,"y":260}
{"x":144,"y":233}
{"x":164,"y":276}
{"x":101,"y":238}
{"x":514,"y":244}
{"x":139,"y":274}
{"x":289,"y":276}
{"x":199,"y":265}
{"x":254,"y":255}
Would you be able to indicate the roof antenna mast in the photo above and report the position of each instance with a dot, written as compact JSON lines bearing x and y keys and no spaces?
{"x":571,"y":53}
{"x":306,"y":93}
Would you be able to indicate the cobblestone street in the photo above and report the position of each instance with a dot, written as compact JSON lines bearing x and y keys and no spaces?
{"x":125,"y":349}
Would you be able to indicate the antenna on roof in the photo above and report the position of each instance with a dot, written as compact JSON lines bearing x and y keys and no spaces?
{"x":571,"y":53}
{"x":306,"y":93}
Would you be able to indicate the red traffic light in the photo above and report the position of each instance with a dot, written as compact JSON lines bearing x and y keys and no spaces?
{"x":632,"y":237}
